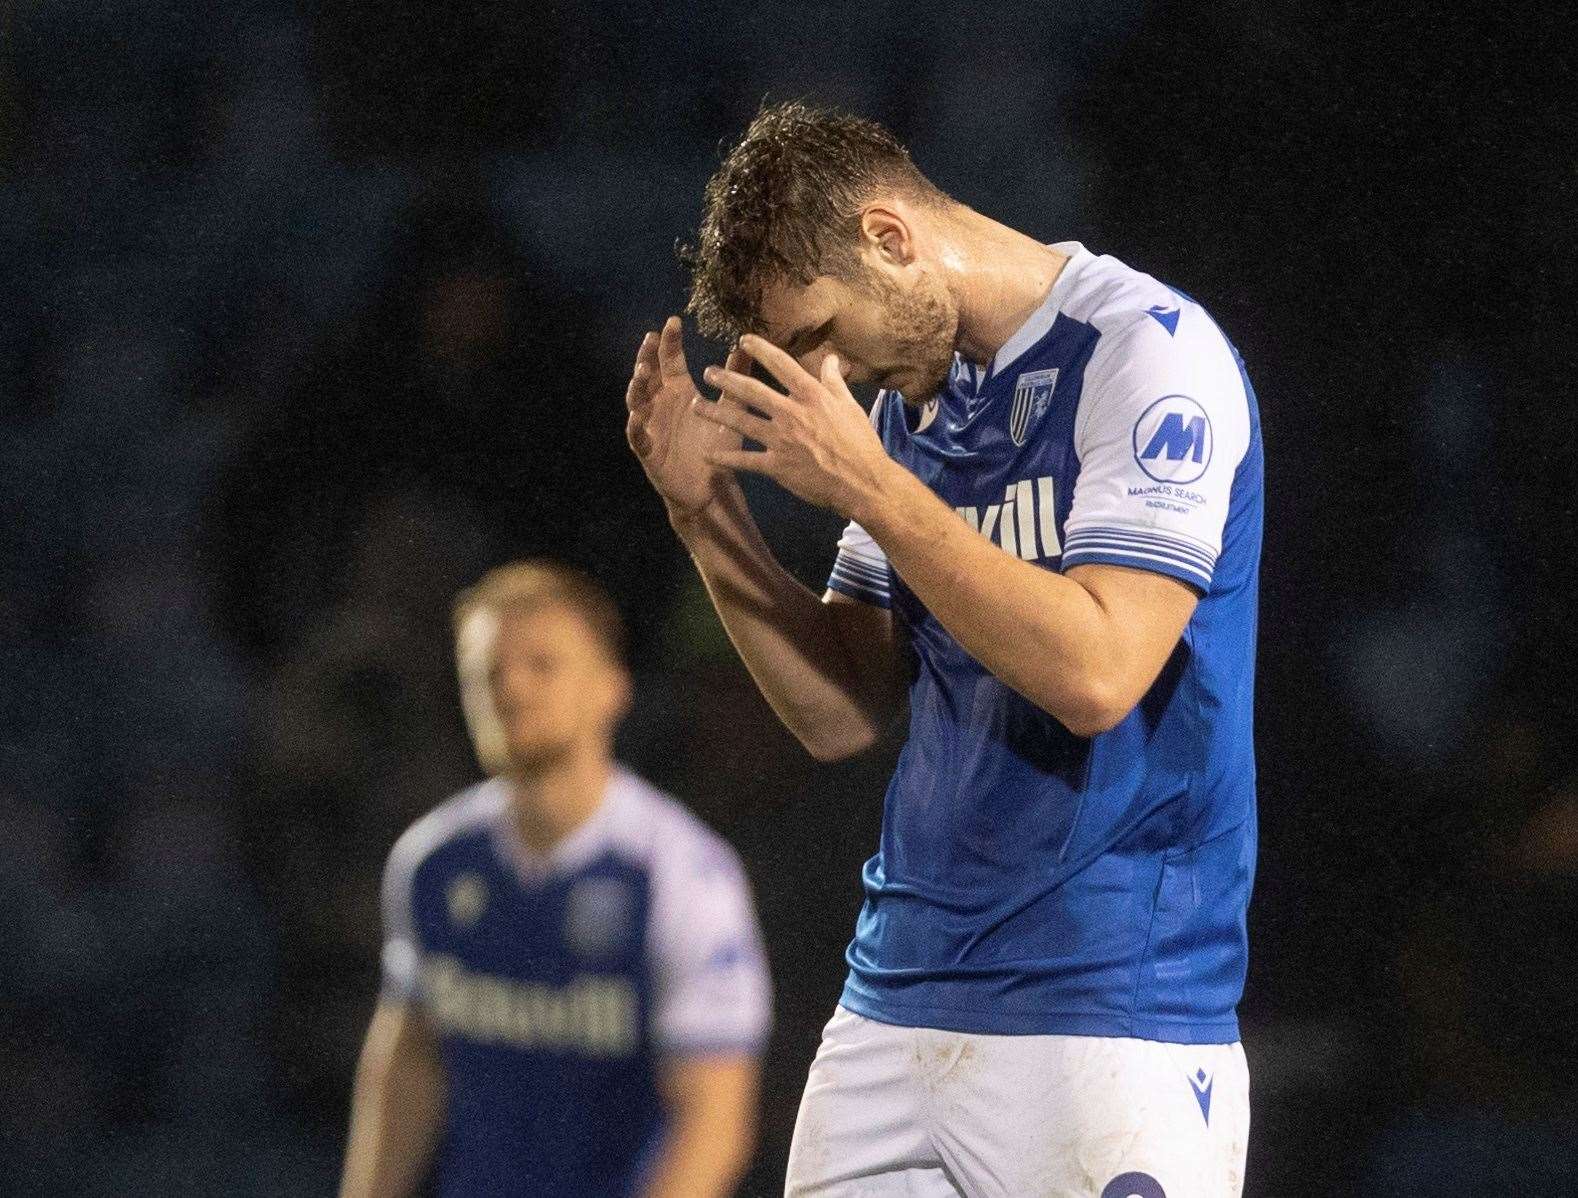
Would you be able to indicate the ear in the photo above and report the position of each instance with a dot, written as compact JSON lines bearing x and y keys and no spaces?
{"x":623,"y":693}
{"x":885,"y":231}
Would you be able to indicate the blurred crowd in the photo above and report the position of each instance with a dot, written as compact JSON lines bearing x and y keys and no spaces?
{"x":306,"y":319}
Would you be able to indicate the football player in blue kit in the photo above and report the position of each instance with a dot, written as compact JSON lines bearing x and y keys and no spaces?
{"x":575,"y":996}
{"x":1053,"y":547}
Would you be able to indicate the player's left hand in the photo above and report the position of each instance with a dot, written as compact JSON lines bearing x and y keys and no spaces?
{"x":816,"y":439}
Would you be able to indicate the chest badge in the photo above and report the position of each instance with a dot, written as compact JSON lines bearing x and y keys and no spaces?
{"x":1032,"y":397}
{"x":467,"y":899}
{"x":599,"y":916}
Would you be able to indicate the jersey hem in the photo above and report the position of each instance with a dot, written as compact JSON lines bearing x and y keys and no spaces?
{"x":722,"y":1046}
{"x":1040,"y":1023}
{"x":1086,"y":557}
{"x":862,"y":594}
{"x":400,"y":992}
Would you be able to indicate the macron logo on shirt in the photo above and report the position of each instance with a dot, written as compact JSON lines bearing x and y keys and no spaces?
{"x":1027,"y":512}
{"x":1166,"y":317}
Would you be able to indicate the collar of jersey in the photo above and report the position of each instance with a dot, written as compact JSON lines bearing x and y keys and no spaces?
{"x":571,"y":853}
{"x":975,"y":387}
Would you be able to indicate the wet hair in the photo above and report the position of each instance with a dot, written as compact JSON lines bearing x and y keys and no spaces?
{"x":539,"y":582}
{"x":785,"y":207}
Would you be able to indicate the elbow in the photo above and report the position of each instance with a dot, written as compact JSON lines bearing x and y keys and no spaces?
{"x":1092,"y":708}
{"x":837,"y":741}
{"x":833,"y":749}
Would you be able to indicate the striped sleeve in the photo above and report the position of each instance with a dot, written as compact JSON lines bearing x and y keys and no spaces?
{"x":402,"y":939}
{"x":1163,"y":424}
{"x":1185,"y":560}
{"x":861,"y":568}
{"x":401,"y":954}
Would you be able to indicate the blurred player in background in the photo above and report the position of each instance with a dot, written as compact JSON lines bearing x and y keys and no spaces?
{"x":575,"y":996}
{"x":1054,"y":540}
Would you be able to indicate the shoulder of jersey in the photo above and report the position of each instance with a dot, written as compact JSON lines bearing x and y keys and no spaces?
{"x":468,"y":811}
{"x":1117,"y":299}
{"x":652,"y":828}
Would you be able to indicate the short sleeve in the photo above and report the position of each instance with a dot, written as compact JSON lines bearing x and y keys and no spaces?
{"x":861,"y":568}
{"x":1162,"y":426}
{"x":712,"y":991}
{"x":401,"y":954}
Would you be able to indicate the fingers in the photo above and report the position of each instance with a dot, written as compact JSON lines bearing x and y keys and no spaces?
{"x":779,"y":364}
{"x":735,"y":416}
{"x":738,"y":362}
{"x":833,"y":376}
{"x":647,"y":353}
{"x":671,"y":348}
{"x":636,"y":434}
{"x":639,"y":392}
{"x":746,"y":389}
{"x":755,"y":460}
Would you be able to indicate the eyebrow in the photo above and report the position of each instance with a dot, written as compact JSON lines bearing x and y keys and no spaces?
{"x":799,"y":342}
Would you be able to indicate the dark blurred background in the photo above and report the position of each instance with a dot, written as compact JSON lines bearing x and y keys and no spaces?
{"x":309,"y":315}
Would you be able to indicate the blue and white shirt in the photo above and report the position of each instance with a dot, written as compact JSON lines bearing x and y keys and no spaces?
{"x":1029,"y":880}
{"x":556,"y":984}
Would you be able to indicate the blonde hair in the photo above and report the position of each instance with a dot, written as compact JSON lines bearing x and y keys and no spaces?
{"x":515,"y":588}
{"x":541,"y":582}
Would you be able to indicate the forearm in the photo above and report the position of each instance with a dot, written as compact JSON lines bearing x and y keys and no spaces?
{"x":784,"y":633}
{"x":700,"y":1160}
{"x":1041,"y":633}
{"x":711,"y":1105}
{"x":396,"y":1116}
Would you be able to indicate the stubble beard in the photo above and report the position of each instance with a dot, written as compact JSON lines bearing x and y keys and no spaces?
{"x":925,"y":328}
{"x":533,"y":761}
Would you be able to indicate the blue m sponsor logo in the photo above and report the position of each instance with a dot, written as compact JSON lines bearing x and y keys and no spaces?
{"x":1177,"y":439}
{"x":1173,"y":440}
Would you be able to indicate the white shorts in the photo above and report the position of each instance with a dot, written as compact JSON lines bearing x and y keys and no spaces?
{"x":918,"y":1112}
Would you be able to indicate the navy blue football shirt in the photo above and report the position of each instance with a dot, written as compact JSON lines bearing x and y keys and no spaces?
{"x":557,"y":985}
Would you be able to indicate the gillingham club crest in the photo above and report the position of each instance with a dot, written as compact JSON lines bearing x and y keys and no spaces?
{"x":599,"y":915}
{"x":1032,"y":397}
{"x":467,"y":899}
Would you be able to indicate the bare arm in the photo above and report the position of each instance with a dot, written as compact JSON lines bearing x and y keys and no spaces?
{"x":827,"y":666}
{"x":711,"y":1104}
{"x":1101,"y":633}
{"x":829,"y":669}
{"x":397,"y":1109}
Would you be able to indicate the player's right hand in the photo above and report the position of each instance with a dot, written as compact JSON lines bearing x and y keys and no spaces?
{"x":670,"y":440}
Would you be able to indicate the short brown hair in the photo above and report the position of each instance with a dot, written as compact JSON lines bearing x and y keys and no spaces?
{"x":541,"y":582}
{"x":785,"y":206}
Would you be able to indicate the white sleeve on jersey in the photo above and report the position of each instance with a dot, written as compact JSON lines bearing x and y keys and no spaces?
{"x":711,"y":988}
{"x":861,"y":568}
{"x":1163,"y":423}
{"x":401,"y":954}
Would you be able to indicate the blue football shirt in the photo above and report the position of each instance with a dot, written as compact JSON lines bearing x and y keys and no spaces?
{"x":1029,"y":880}
{"x":556,"y":985}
